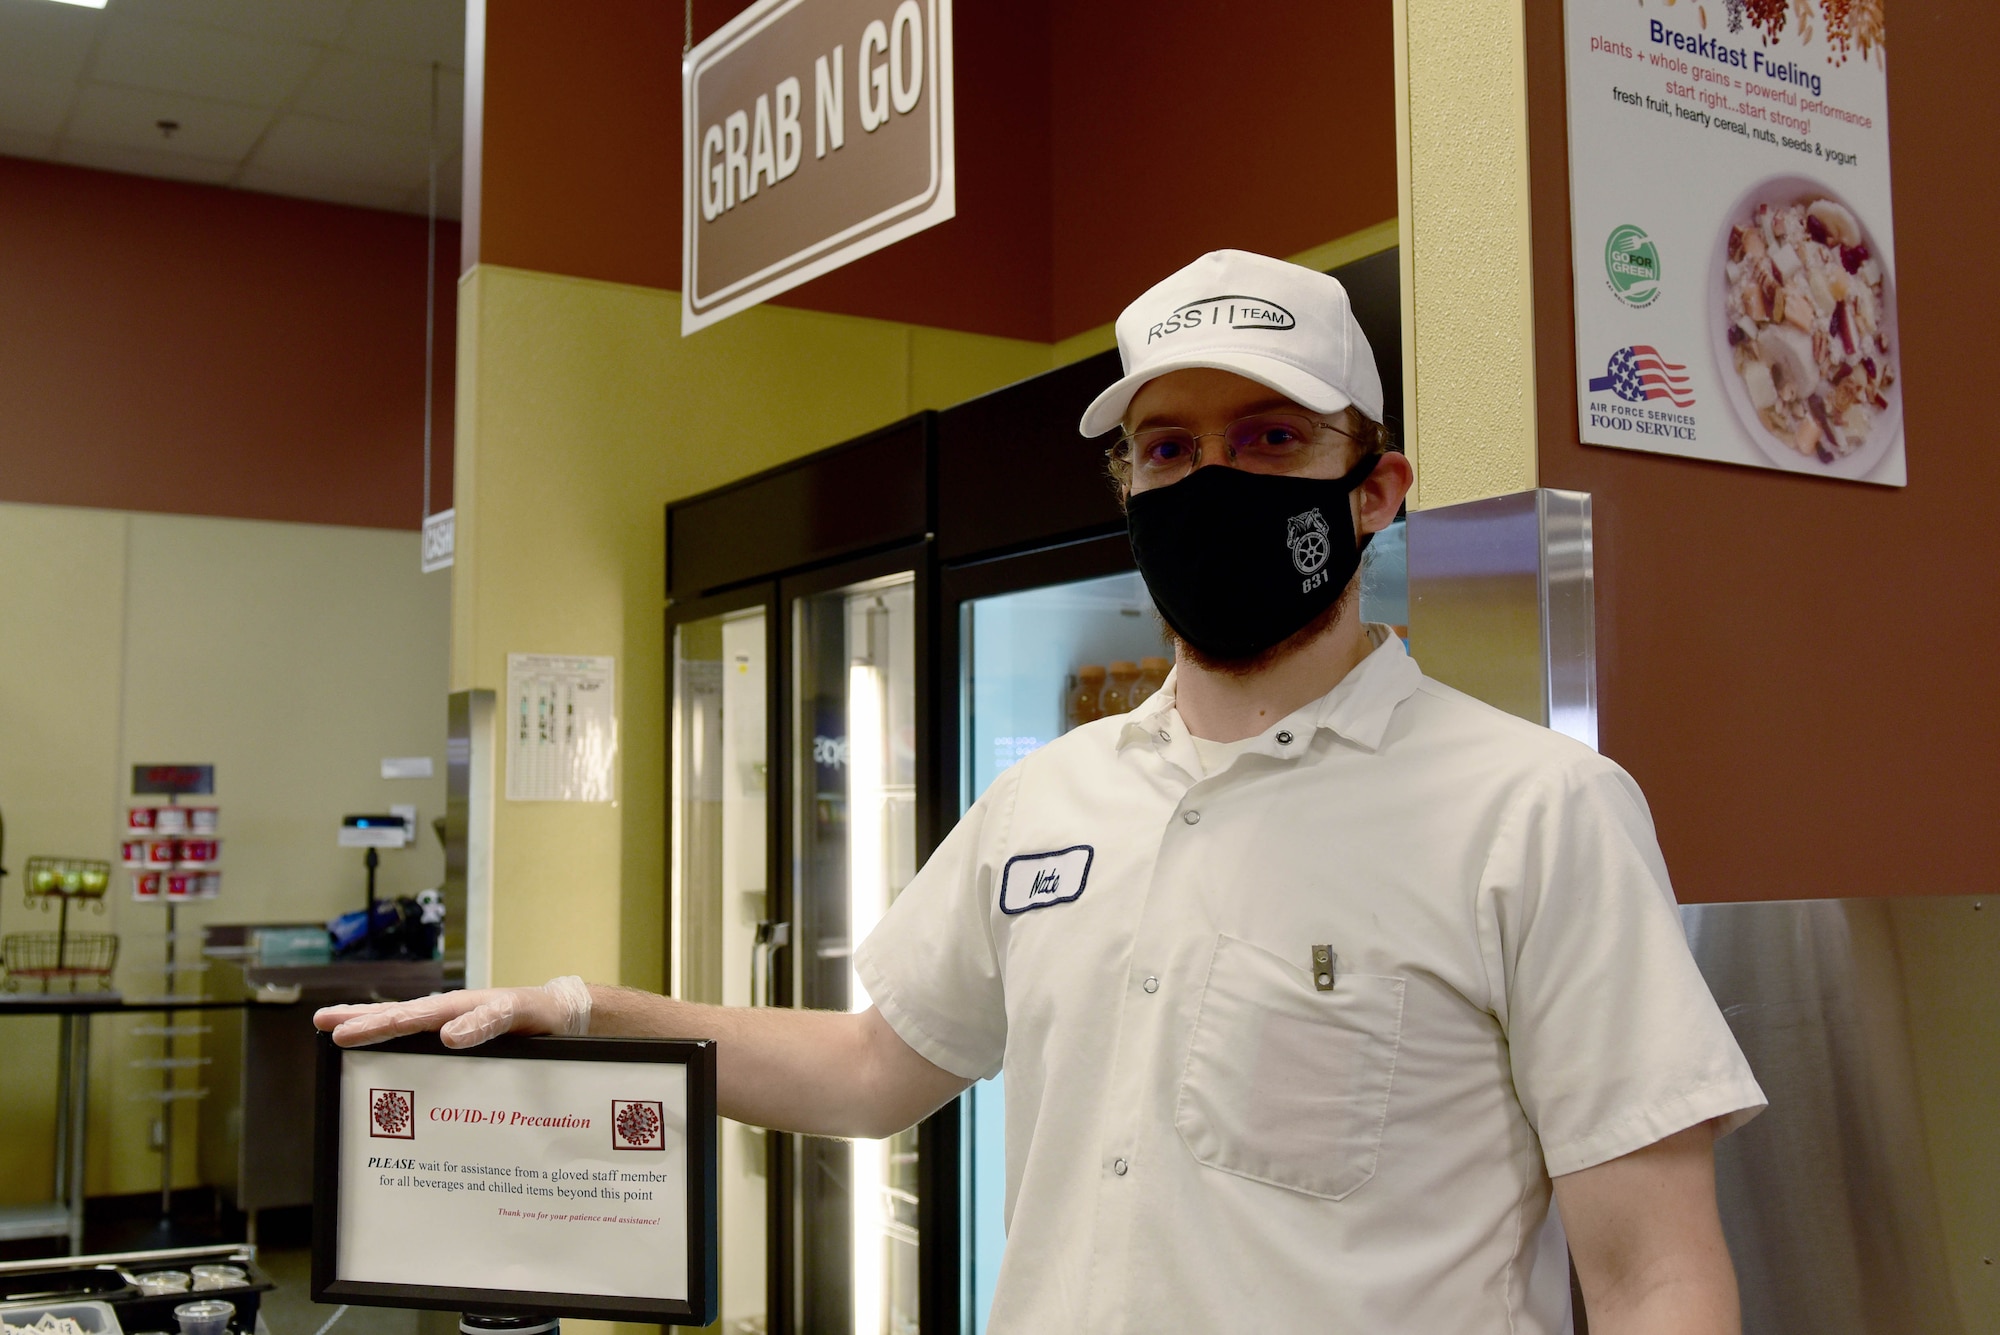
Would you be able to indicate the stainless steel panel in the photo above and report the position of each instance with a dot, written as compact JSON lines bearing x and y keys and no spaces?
{"x":1502,"y":605}
{"x":468,"y":838}
{"x":1866,"y":1199}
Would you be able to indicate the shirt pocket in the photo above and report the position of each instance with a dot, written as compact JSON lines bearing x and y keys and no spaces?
{"x":1284,"y":1083}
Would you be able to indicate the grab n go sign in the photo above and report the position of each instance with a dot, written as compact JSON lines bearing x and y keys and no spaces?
{"x":815,"y":132}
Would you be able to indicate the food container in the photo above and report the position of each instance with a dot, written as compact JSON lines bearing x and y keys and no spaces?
{"x":140,"y":818}
{"x":170,"y":820}
{"x":162,"y":853}
{"x":140,"y":1312}
{"x":146,"y":885}
{"x":200,"y":852}
{"x":132,"y":852}
{"x":203,"y":820}
{"x":207,"y":885}
{"x":152,"y":1282}
{"x":204,"y":1316}
{"x":93,"y":1318}
{"x":182,"y":884}
{"x":208,"y":1277}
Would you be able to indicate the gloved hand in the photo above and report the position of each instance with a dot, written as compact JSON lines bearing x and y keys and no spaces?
{"x":465,"y":1019}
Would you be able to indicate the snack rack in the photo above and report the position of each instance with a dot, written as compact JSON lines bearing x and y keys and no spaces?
{"x":172,"y":852}
{"x":50,"y":957}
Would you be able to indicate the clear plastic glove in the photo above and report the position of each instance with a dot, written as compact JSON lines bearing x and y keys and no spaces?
{"x":465,"y":1019}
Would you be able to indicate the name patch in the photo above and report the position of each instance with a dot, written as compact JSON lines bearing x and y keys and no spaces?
{"x":1039,"y":880}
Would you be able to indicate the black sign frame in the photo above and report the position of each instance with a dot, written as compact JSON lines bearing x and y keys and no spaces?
{"x":703,"y":1289}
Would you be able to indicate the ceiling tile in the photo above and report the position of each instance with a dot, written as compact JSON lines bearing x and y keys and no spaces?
{"x":384,"y":94}
{"x":363,"y":194}
{"x":312,"y":20}
{"x":304,"y":146}
{"x":34,"y":105}
{"x":145,"y":162}
{"x":51,"y":41}
{"x":218,"y":131}
{"x":451,"y":179}
{"x":202,"y":62}
{"x":16,"y":144}
{"x":419,"y":30}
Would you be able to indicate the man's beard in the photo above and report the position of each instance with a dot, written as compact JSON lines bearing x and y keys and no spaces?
{"x":1291,"y":644}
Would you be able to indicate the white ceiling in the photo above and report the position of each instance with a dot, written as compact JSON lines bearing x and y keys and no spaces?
{"x":320,"y":99}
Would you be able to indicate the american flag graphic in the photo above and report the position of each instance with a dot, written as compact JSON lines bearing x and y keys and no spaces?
{"x":1639,"y":373}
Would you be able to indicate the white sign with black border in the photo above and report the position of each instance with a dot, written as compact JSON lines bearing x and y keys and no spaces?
{"x":523,"y":1177}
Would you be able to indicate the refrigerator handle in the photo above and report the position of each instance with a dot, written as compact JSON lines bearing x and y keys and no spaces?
{"x":771,"y":937}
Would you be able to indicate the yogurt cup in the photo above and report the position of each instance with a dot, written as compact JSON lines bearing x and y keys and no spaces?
{"x":204,"y":1316}
{"x":140,"y":818}
{"x":170,"y":820}
{"x":199,"y":852}
{"x":181,"y":884}
{"x":133,"y":852}
{"x":202,"y":820}
{"x":146,"y":885}
{"x":162,"y":853}
{"x":207,"y":885}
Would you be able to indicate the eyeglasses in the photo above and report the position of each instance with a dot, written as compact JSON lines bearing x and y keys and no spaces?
{"x":1275,"y":442}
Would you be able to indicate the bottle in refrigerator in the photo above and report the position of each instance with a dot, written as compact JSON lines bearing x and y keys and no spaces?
{"x":1152,"y":676}
{"x":1117,"y":695}
{"x":1082,"y":706}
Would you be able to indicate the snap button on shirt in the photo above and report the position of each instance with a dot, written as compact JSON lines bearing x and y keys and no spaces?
{"x":1151,"y":985}
{"x":1515,"y":1000}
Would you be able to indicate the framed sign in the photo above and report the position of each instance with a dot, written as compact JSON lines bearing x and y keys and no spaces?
{"x":815,"y":132}
{"x":523,"y":1177}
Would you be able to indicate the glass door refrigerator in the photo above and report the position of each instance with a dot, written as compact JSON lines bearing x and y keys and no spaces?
{"x":798,"y":789}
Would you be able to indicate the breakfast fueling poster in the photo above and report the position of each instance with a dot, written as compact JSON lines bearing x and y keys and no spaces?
{"x":1734,"y":254}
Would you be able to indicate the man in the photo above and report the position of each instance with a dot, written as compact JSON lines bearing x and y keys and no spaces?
{"x":1312,"y":979}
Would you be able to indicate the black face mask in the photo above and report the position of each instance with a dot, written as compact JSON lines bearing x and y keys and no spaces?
{"x":1237,"y":561}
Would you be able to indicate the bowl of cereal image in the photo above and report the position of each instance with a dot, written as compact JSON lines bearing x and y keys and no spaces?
{"x":1802,"y":321}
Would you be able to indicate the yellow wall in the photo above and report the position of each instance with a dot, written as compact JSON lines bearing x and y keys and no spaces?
{"x":1468,"y":328}
{"x":582,"y":412}
{"x":293,"y":657}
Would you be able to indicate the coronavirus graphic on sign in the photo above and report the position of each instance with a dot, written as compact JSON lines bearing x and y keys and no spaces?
{"x":392,"y":1114}
{"x":637,"y":1124}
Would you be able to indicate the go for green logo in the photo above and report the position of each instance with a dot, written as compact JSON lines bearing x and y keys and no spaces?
{"x":1632,"y":265}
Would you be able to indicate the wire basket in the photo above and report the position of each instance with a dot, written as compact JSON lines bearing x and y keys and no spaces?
{"x":66,"y":878}
{"x":51,"y":956}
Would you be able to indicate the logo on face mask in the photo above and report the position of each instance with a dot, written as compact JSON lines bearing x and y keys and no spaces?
{"x":1306,"y":535}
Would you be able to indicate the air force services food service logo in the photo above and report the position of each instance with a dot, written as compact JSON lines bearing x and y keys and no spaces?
{"x":1042,"y":880}
{"x":1229,"y":311}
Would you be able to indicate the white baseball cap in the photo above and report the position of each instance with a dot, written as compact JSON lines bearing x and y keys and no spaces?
{"x":1282,"y":325}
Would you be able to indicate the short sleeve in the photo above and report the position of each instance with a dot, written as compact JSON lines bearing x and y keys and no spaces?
{"x":1614,"y":1037}
{"x":930,"y":965}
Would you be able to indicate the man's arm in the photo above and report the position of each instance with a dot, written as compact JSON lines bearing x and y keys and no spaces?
{"x":1647,"y":1240}
{"x":823,"y":1073}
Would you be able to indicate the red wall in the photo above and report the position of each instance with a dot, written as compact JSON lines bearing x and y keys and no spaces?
{"x":1799,"y":672}
{"x":197,"y":350}
{"x":1085,"y":173}
{"x":1185,"y":126}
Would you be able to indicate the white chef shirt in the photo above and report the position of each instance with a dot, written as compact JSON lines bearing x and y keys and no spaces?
{"x":1198,"y":1137}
